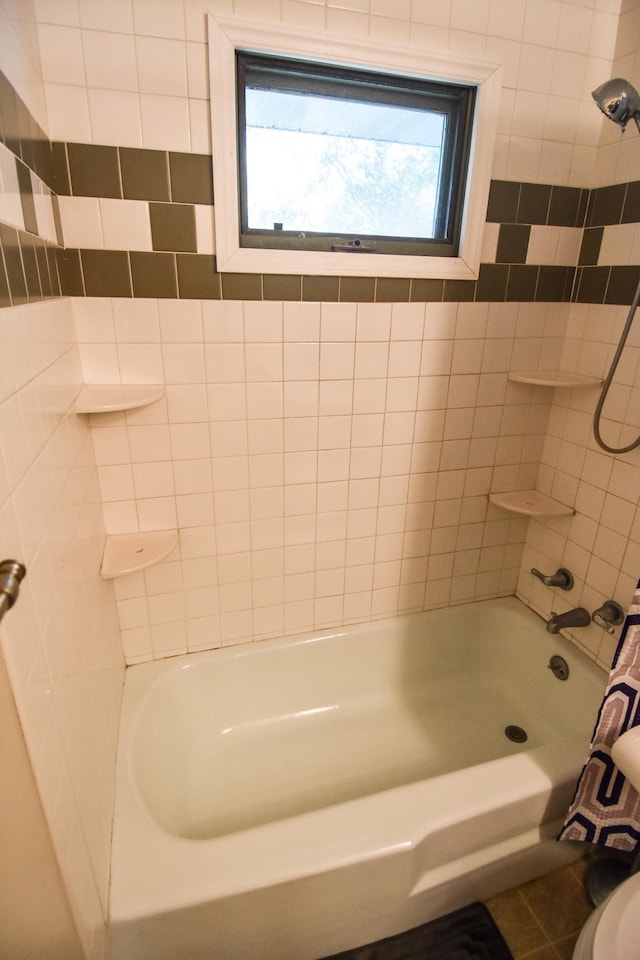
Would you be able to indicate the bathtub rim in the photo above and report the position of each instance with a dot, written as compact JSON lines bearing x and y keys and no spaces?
{"x":391,"y":822}
{"x":394,"y":821}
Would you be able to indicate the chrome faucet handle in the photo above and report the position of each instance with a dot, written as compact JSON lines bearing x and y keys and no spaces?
{"x":603,"y":623}
{"x":562,"y":578}
{"x":608,"y":616}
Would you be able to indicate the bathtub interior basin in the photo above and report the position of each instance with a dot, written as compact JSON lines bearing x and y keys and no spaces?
{"x":361,"y":774}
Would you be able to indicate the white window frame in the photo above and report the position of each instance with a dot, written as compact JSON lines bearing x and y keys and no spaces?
{"x":227,"y":36}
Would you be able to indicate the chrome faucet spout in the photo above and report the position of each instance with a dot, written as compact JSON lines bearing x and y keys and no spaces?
{"x":578,"y":617}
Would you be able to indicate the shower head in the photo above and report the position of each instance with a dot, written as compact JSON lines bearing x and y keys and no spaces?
{"x":619,"y":101}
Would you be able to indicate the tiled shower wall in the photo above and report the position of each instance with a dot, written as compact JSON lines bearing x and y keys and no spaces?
{"x":601,"y":542}
{"x":324,"y":462}
{"x":326,"y":444}
{"x":326,"y":449}
{"x":61,"y":641}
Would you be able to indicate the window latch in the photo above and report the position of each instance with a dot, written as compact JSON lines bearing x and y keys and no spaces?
{"x":353,"y":246}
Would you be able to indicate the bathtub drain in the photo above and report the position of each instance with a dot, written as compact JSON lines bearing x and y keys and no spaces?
{"x":515,"y":733}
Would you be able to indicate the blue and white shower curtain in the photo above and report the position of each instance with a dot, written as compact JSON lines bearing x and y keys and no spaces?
{"x":606,"y":807}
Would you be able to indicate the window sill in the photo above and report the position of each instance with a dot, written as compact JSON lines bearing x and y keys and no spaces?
{"x":301,"y":262}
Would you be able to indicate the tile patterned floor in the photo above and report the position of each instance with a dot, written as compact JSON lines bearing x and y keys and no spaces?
{"x":541,"y":920}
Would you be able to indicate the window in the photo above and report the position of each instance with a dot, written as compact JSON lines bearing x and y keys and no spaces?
{"x":339,"y":157}
{"x":349,"y":160}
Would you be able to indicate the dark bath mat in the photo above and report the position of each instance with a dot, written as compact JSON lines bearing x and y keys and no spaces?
{"x":467,"y":934}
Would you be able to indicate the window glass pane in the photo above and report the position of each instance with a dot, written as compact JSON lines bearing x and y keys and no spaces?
{"x":320,"y":164}
{"x":331,"y":153}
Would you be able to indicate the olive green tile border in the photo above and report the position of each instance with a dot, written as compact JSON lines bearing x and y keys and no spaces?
{"x":132,"y":173}
{"x":33,"y":269}
{"x":194,"y":276}
{"x":30,"y":268}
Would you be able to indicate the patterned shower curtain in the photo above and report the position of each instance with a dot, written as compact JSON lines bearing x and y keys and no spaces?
{"x":606,"y":807}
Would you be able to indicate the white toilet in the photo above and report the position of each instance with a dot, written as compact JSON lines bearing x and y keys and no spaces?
{"x":612,"y":932}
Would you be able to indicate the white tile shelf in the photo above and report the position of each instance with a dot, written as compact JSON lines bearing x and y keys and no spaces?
{"x":554,"y":378}
{"x":126,"y":553}
{"x":109,"y":397}
{"x":530,"y":503}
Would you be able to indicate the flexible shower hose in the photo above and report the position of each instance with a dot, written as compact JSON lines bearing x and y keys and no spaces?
{"x":609,"y":378}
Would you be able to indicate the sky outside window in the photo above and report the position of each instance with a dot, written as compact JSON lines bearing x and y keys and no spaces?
{"x":321,"y":164}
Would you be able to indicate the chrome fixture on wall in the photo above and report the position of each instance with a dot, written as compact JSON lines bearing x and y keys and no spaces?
{"x":608,"y":616}
{"x":579,"y":617}
{"x":11,"y":575}
{"x":620,"y":102}
{"x":561,"y":578}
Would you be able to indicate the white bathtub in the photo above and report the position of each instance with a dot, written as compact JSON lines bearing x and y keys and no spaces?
{"x":290,"y":799}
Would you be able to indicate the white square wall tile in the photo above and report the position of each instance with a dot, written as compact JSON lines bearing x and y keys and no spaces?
{"x":192,"y":476}
{"x":301,"y":322}
{"x":63,"y":12}
{"x":99,"y":363}
{"x":187,"y":403}
{"x":543,"y":245}
{"x":301,"y":361}
{"x":263,"y":362}
{"x":140,"y":363}
{"x":120,"y":517}
{"x":159,"y":18}
{"x":407,"y":321}
{"x":404,"y":358}
{"x":115,"y":16}
{"x":165,"y":123}
{"x":93,"y":319}
{"x":180,"y":321}
{"x":153,"y":479}
{"x":135,"y":321}
{"x":162,"y":66}
{"x":111,"y":445}
{"x":110,"y":60}
{"x":149,"y":443}
{"x":225,"y":363}
{"x":617,"y":241}
{"x":157,"y":513}
{"x":68,"y":113}
{"x":61,"y":54}
{"x":125,"y":224}
{"x":223,"y":321}
{"x":133,"y":613}
{"x":115,"y":117}
{"x":374,"y":321}
{"x":338,"y":321}
{"x":262,"y":321}
{"x":116,"y":483}
{"x":183,"y":363}
{"x":81,"y":223}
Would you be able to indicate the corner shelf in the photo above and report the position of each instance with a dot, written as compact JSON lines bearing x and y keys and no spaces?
{"x":554,"y":378}
{"x":109,"y":397}
{"x":530,"y":503}
{"x":126,"y":553}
